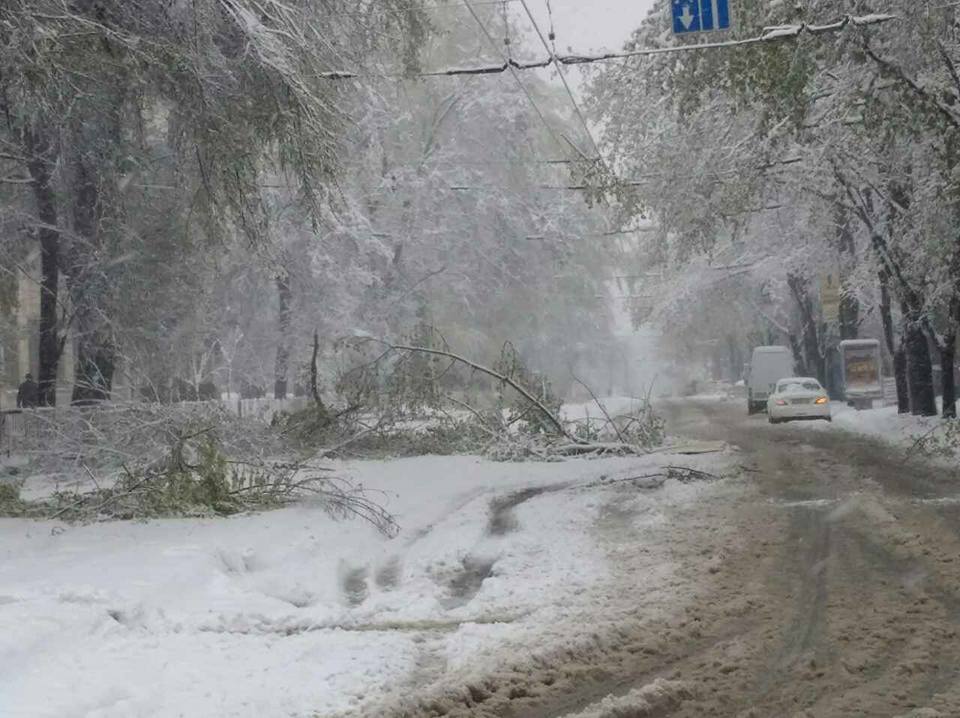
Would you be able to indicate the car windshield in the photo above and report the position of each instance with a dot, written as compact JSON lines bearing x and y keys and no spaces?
{"x":793,"y":386}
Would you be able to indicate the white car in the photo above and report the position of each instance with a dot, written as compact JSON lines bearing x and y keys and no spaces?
{"x":798,"y":398}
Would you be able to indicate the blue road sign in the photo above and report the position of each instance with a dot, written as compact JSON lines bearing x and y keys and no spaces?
{"x":700,"y":16}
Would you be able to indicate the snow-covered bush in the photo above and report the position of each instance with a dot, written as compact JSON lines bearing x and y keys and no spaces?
{"x":644,"y":427}
{"x":942,"y":440}
{"x":152,"y":460}
{"x":519,"y":409}
{"x":10,"y":503}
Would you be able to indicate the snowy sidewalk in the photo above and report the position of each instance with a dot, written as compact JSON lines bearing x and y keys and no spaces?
{"x":882,"y":423}
{"x":293,"y":613}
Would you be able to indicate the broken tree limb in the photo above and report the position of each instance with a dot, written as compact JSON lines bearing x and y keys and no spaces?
{"x":601,"y":407}
{"x":481,"y":419}
{"x":691,"y":448}
{"x":597,"y":449}
{"x":656,"y":479}
{"x":549,"y":415}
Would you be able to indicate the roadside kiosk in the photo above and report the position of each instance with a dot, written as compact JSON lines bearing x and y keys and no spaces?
{"x":861,"y":372}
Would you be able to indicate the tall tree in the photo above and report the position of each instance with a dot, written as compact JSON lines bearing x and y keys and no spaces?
{"x":234,"y":85}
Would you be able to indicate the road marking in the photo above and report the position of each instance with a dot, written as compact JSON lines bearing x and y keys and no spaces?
{"x":808,"y":503}
{"x":940,"y":501}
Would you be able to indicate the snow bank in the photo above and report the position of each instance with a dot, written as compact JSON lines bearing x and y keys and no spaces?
{"x":654,"y":699}
{"x":882,"y":423}
{"x":292,"y":613}
{"x":615,"y":406}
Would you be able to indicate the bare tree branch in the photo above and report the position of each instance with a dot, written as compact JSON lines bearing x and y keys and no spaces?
{"x":601,"y":407}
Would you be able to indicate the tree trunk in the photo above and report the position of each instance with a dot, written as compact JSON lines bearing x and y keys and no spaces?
{"x":849,"y":317}
{"x":895,"y":348}
{"x":814,"y":359}
{"x":40,"y":165}
{"x":919,"y":369}
{"x":900,"y":375}
{"x":947,"y":356}
{"x":849,"y":309}
{"x":282,"y":364}
{"x":949,"y":348}
{"x":314,"y":381}
{"x":800,"y":363}
{"x":96,"y":355}
{"x":314,"y":386}
{"x":811,"y":341}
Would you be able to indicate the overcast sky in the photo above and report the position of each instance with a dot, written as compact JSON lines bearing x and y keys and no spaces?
{"x":592,"y":24}
{"x":585,"y":25}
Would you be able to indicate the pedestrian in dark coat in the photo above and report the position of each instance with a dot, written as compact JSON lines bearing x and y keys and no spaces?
{"x":28,"y":394}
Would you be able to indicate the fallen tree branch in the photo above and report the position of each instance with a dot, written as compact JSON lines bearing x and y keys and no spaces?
{"x":249,"y":486}
{"x":346,"y":442}
{"x":481,"y":419}
{"x":683,"y":474}
{"x":597,"y":449}
{"x":549,"y":415}
{"x":601,"y":407}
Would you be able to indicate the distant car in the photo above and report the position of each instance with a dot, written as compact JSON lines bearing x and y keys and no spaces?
{"x":798,"y":398}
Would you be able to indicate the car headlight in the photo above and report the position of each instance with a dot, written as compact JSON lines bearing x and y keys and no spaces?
{"x":821,"y":400}
{"x":780,"y":402}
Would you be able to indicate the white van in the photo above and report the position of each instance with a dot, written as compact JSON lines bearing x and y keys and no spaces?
{"x":767,"y":366}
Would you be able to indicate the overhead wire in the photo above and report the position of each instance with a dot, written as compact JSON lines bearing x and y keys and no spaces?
{"x":768,"y":35}
{"x":506,"y":29}
{"x":776,"y":33}
{"x":510,"y":64}
{"x":552,"y":32}
{"x":420,"y":6}
{"x":771,"y":34}
{"x":563,"y":78}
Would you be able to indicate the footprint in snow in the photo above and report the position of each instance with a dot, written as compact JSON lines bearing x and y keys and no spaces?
{"x":353,"y":582}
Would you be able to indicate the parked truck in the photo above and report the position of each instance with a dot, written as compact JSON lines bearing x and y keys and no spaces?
{"x":767,"y":366}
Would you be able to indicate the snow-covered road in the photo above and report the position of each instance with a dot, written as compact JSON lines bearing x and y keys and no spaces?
{"x":291,"y":613}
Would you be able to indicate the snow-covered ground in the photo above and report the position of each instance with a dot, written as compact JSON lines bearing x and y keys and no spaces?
{"x":293,"y":613}
{"x":882,"y":423}
{"x":614,"y":405}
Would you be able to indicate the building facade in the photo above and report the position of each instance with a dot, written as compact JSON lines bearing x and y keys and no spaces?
{"x":20,"y":338}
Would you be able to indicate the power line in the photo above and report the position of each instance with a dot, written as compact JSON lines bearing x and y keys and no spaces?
{"x":418,"y":6}
{"x":563,"y":79}
{"x":771,"y":34}
{"x":553,"y":33}
{"x":510,"y":62}
{"x":491,"y":162}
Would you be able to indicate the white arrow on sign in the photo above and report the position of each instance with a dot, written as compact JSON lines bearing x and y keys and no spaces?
{"x":686,"y":17}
